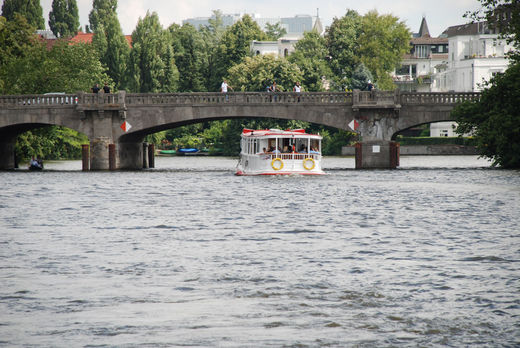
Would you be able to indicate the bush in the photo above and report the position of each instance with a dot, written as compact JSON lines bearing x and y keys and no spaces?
{"x":436,"y":141}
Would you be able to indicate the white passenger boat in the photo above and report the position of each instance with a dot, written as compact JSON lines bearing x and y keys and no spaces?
{"x":279,"y":152}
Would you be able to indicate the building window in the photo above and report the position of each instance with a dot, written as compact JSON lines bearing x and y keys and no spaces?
{"x":407,"y":69}
{"x":422,"y":51}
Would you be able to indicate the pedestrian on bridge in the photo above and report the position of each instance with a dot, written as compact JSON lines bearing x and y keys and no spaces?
{"x":224,"y":88}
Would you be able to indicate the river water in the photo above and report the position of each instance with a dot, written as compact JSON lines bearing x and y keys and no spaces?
{"x":188,"y":254}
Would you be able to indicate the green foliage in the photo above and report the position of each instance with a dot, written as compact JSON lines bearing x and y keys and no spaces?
{"x":101,"y":13}
{"x":190,"y":57}
{"x":64,"y":18}
{"x":50,"y":143}
{"x":360,"y":78}
{"x":494,"y":121}
{"x":109,"y":40}
{"x":377,"y":41}
{"x":334,"y":140}
{"x":152,"y":68}
{"x":63,"y":68}
{"x":233,"y":47}
{"x":30,"y":9}
{"x":274,"y":31}
{"x":310,"y":56}
{"x":342,"y":40}
{"x":16,"y":37}
{"x":382,"y":43}
{"x":436,"y":141}
{"x":258,"y":72}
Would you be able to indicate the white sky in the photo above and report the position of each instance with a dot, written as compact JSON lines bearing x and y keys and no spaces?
{"x":439,"y":14}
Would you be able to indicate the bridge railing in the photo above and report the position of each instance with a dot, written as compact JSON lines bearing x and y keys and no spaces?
{"x":38,"y":100}
{"x":448,"y":98}
{"x":239,"y":98}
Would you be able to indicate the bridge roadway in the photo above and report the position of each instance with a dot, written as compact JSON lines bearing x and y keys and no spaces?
{"x":381,"y":116}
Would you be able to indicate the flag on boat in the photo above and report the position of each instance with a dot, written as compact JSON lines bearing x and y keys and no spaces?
{"x":126,"y":126}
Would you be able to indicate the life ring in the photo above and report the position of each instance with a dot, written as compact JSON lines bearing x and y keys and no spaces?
{"x":273,"y":163}
{"x":305,"y":163}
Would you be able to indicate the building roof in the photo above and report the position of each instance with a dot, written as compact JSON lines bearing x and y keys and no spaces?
{"x":469,"y":29}
{"x":87,"y":38}
{"x":429,"y":40}
{"x":423,"y":30}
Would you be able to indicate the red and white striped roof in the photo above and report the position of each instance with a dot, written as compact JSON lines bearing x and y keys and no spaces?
{"x":277,"y":132}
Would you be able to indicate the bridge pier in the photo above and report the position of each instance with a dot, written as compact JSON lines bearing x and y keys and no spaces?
{"x":130,"y":155}
{"x":99,"y":154}
{"x":7,"y":153}
{"x":377,"y":154}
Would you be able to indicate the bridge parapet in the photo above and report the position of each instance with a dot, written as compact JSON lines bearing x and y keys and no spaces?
{"x":239,"y":98}
{"x":38,"y":100}
{"x":437,"y":98}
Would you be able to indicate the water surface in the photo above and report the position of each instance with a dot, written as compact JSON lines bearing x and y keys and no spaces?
{"x":188,"y":254}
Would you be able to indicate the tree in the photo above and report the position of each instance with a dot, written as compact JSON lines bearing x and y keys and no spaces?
{"x":360,"y":78}
{"x":274,"y":31}
{"x":342,"y":40}
{"x":383,"y":40}
{"x":234,"y":46}
{"x":258,"y":72}
{"x":63,"y":68}
{"x":152,"y":68}
{"x":189,"y":48}
{"x":212,"y":35}
{"x":64,"y":18}
{"x":109,"y":40}
{"x":494,"y":120}
{"x":16,"y":36}
{"x":30,"y":9}
{"x":310,"y":56}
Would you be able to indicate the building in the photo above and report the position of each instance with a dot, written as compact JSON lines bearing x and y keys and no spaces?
{"x":476,"y":53}
{"x":285,"y":45}
{"x":427,"y":56}
{"x":295,"y":26}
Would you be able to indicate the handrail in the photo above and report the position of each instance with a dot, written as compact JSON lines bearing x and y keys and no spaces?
{"x":123,"y":100}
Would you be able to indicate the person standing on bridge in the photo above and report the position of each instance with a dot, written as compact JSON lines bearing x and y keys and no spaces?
{"x":106,"y":89}
{"x":95,"y":89}
{"x":224,"y":88}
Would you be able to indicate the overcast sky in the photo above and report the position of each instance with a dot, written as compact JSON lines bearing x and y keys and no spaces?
{"x":439,"y":14}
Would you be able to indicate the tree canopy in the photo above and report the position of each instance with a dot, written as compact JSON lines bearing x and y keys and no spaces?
{"x":109,"y":40}
{"x":152,"y":67}
{"x":30,"y":9}
{"x":494,"y":120}
{"x":64,"y":18}
{"x":258,"y":72}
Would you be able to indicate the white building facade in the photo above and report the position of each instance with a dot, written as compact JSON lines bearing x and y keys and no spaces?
{"x":476,"y":54}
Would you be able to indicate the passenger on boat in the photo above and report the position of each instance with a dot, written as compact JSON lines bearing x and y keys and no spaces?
{"x":286,"y":149}
{"x":314,"y":150}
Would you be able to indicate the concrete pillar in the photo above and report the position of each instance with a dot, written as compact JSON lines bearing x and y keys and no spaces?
{"x":85,"y":157}
{"x":7,"y":155}
{"x":377,"y":154}
{"x":130,"y":155}
{"x":145,"y":155}
{"x":99,"y":153}
{"x":151,"y":156}
{"x":112,"y":157}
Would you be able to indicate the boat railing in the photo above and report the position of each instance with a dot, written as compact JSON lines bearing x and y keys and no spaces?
{"x":291,"y":156}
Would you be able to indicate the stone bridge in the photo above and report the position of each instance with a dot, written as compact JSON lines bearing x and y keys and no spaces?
{"x":380,"y":115}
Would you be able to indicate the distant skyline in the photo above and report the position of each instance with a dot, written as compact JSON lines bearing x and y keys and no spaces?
{"x":439,"y":14}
